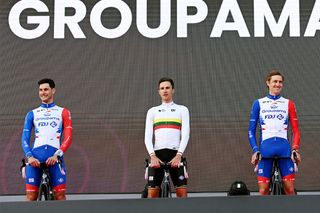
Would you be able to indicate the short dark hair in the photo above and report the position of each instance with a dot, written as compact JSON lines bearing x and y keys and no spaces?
{"x":47,"y":81}
{"x":272,"y":73}
{"x":166,"y":79}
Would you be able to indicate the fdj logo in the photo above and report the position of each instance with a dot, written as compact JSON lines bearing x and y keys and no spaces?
{"x":53,"y":124}
{"x":270,"y":116}
{"x":43,"y":124}
{"x":280,"y":117}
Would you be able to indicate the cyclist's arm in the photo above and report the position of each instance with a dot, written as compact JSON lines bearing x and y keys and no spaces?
{"x":185,"y":130}
{"x":148,"y":134}
{"x":25,"y":139}
{"x":67,"y":133}
{"x":254,"y":118}
{"x":294,"y":125}
{"x":26,"y":134}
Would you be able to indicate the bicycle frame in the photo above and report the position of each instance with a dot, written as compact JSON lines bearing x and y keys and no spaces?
{"x":275,"y":186}
{"x":45,"y":188}
{"x":165,"y":185}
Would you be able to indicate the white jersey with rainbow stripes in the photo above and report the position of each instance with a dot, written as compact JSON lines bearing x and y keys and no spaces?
{"x":169,"y":123}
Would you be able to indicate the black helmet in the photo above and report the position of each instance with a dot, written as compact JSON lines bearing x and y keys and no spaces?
{"x":238,"y":188}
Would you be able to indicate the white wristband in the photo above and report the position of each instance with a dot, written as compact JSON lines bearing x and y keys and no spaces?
{"x":152,"y":154}
{"x":59,"y":153}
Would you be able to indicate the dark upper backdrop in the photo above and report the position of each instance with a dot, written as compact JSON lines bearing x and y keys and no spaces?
{"x":109,"y":84}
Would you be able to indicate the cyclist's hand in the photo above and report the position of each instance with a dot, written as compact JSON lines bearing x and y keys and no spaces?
{"x":295,"y":156}
{"x":34,"y":162}
{"x":175,"y":162}
{"x":52,"y":160}
{"x":255,"y":158}
{"x":155,"y":161}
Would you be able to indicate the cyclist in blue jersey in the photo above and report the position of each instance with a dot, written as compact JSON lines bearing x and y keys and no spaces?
{"x":168,"y":124}
{"x":274,"y":113}
{"x":52,"y":137}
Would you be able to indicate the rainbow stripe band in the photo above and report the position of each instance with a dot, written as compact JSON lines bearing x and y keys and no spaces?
{"x":167,"y":123}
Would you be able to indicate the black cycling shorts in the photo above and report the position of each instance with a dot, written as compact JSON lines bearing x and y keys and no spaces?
{"x":178,"y":175}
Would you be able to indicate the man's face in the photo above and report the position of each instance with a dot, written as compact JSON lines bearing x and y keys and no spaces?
{"x":275,"y":85}
{"x":166,"y":91}
{"x":46,"y":93}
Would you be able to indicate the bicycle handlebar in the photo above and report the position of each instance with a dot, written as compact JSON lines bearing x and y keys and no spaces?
{"x":42,"y":165}
{"x":167,"y":164}
{"x":295,"y":157}
{"x":258,"y":156}
{"x":281,"y":157}
{"x":276,"y":157}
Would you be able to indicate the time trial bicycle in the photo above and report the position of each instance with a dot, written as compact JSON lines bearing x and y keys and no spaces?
{"x":45,"y":189}
{"x":275,"y":185}
{"x":165,"y":187}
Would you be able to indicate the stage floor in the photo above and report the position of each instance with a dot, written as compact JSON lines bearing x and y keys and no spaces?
{"x":196,"y":202}
{"x":15,"y":198}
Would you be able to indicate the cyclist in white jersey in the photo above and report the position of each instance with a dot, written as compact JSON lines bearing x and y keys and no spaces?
{"x":169,"y":125}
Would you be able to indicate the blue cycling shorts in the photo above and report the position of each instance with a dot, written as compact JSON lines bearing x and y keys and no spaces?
{"x":57,"y":177}
{"x":275,"y":147}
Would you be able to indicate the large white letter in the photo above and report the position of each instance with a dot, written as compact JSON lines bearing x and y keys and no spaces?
{"x":14,"y":19}
{"x":221,"y":23}
{"x":126,"y":18}
{"x":60,"y":19}
{"x":313,"y":24}
{"x":183,"y":19}
{"x":165,"y":19}
{"x":290,"y":11}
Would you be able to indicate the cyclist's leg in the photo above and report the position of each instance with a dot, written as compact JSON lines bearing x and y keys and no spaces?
{"x":264,"y":175}
{"x":59,"y":195}
{"x":288,"y":176}
{"x":288,"y":187}
{"x":58,"y":181}
{"x":179,"y":179}
{"x":154,"y":181}
{"x":33,"y":179}
{"x":181,"y":191}
{"x":153,"y":192}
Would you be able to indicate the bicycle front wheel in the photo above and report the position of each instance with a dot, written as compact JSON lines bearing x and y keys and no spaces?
{"x":42,"y":192}
{"x":276,"y":188}
{"x":165,"y":190}
{"x":45,"y":192}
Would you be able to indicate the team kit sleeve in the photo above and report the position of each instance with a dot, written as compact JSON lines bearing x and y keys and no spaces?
{"x":294,"y":125}
{"x":185,"y":130}
{"x":148,"y":134}
{"x":67,"y":132}
{"x":254,"y":118}
{"x":26,"y":134}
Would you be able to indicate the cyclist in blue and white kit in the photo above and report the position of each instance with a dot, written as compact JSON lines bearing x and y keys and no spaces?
{"x":274,"y":113}
{"x":169,"y":124}
{"x":51,"y":124}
